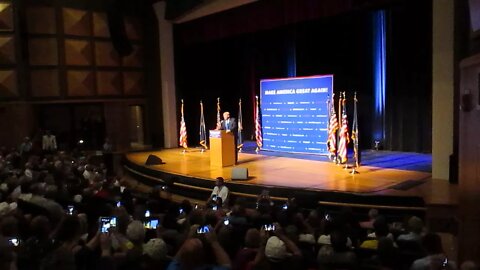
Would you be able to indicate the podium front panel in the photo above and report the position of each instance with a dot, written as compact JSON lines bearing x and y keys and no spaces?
{"x":222,"y":148}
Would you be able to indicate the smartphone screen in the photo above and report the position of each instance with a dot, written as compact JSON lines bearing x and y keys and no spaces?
{"x":269,"y":227}
{"x":203,"y":229}
{"x":151,"y":224}
{"x":14,"y":242}
{"x":70,"y":209}
{"x":107,"y":223}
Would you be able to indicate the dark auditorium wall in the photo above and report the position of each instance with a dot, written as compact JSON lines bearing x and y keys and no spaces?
{"x":65,"y":59}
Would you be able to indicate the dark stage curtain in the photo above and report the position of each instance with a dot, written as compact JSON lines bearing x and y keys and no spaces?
{"x":231,"y":67}
{"x":409,"y":79}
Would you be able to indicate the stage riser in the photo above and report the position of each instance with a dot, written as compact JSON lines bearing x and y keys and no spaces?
{"x":200,"y":189}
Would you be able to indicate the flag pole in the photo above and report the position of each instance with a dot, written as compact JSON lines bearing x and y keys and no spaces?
{"x":339,"y":161}
{"x":258,"y":127}
{"x":183,"y":132}
{"x":355,"y":136}
{"x":218,"y":114}
{"x":240,"y":127}
{"x":328,"y":127}
{"x":203,"y":131}
{"x":347,"y":139}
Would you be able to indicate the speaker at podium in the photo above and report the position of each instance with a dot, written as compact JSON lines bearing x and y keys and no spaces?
{"x":239,"y":173}
{"x":153,"y":160}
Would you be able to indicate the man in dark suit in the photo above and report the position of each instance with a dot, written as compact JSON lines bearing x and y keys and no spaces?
{"x":229,"y":124}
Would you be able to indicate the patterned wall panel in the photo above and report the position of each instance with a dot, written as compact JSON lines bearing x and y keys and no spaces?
{"x":41,"y":20}
{"x":135,"y":59}
{"x":44,"y":83}
{"x":43,"y":51}
{"x":133,"y":83}
{"x":106,"y":55}
{"x":133,"y":27}
{"x":8,"y":83}
{"x":78,"y":52}
{"x":6,"y":17}
{"x":80,"y":83}
{"x":109,"y":83}
{"x":7,"y":50}
{"x":100,"y":25}
{"x":76,"y":22}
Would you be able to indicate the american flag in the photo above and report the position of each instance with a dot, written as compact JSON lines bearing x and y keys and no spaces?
{"x":240,"y":127}
{"x":183,"y":131}
{"x":344,"y":136}
{"x":355,"y":132}
{"x":258,"y":126}
{"x":203,"y":131}
{"x":332,"y":128}
{"x":219,"y":120}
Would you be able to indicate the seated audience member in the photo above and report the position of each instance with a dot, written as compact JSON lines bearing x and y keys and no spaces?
{"x":415,"y":227}
{"x":436,"y":258}
{"x":192,"y":254}
{"x":277,"y":252}
{"x":66,"y":239}
{"x":337,"y":255}
{"x":372,"y":215}
{"x":248,"y":252}
{"x":469,"y":265}
{"x":325,"y":239}
{"x":220,"y":190}
{"x":380,"y":230}
{"x":154,"y":254}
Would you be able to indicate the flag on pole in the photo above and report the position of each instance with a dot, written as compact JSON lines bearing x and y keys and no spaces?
{"x":219,"y":120}
{"x":183,"y":131}
{"x":203,"y":131}
{"x":332,"y":127}
{"x":258,"y":126}
{"x":344,"y":136}
{"x":240,"y":127}
{"x":355,"y":131}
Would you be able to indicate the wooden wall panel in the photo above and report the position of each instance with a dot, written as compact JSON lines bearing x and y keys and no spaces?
{"x":41,"y":20}
{"x":105,"y":54}
{"x":7,"y":50}
{"x":8,"y":83}
{"x":22,"y":116}
{"x":133,"y":27}
{"x":76,"y":22}
{"x":109,"y":83}
{"x":6,"y":17}
{"x":78,"y":52}
{"x":43,"y":51}
{"x":80,"y":83}
{"x":100,"y":25}
{"x":44,"y":83}
{"x":133,"y":83}
{"x":135,"y":59}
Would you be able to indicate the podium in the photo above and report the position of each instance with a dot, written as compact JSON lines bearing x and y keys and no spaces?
{"x":222,"y":148}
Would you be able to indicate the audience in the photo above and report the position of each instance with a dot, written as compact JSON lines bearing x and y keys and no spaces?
{"x":51,"y":204}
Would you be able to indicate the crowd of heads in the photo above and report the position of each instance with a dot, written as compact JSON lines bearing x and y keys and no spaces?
{"x":58,"y":211}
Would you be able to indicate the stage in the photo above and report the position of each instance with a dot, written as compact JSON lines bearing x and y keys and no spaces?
{"x":312,"y":177}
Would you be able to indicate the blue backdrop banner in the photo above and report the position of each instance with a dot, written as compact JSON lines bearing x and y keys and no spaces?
{"x":295,"y":114}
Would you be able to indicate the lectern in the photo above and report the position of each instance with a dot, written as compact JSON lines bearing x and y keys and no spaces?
{"x":222,"y":148}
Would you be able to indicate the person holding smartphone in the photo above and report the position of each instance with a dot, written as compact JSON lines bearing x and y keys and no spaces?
{"x":191,"y":254}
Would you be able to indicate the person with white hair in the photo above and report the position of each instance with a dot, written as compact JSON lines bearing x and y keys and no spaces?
{"x":415,"y":227}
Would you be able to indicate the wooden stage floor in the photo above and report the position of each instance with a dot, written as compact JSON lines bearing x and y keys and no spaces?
{"x":272,"y":171}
